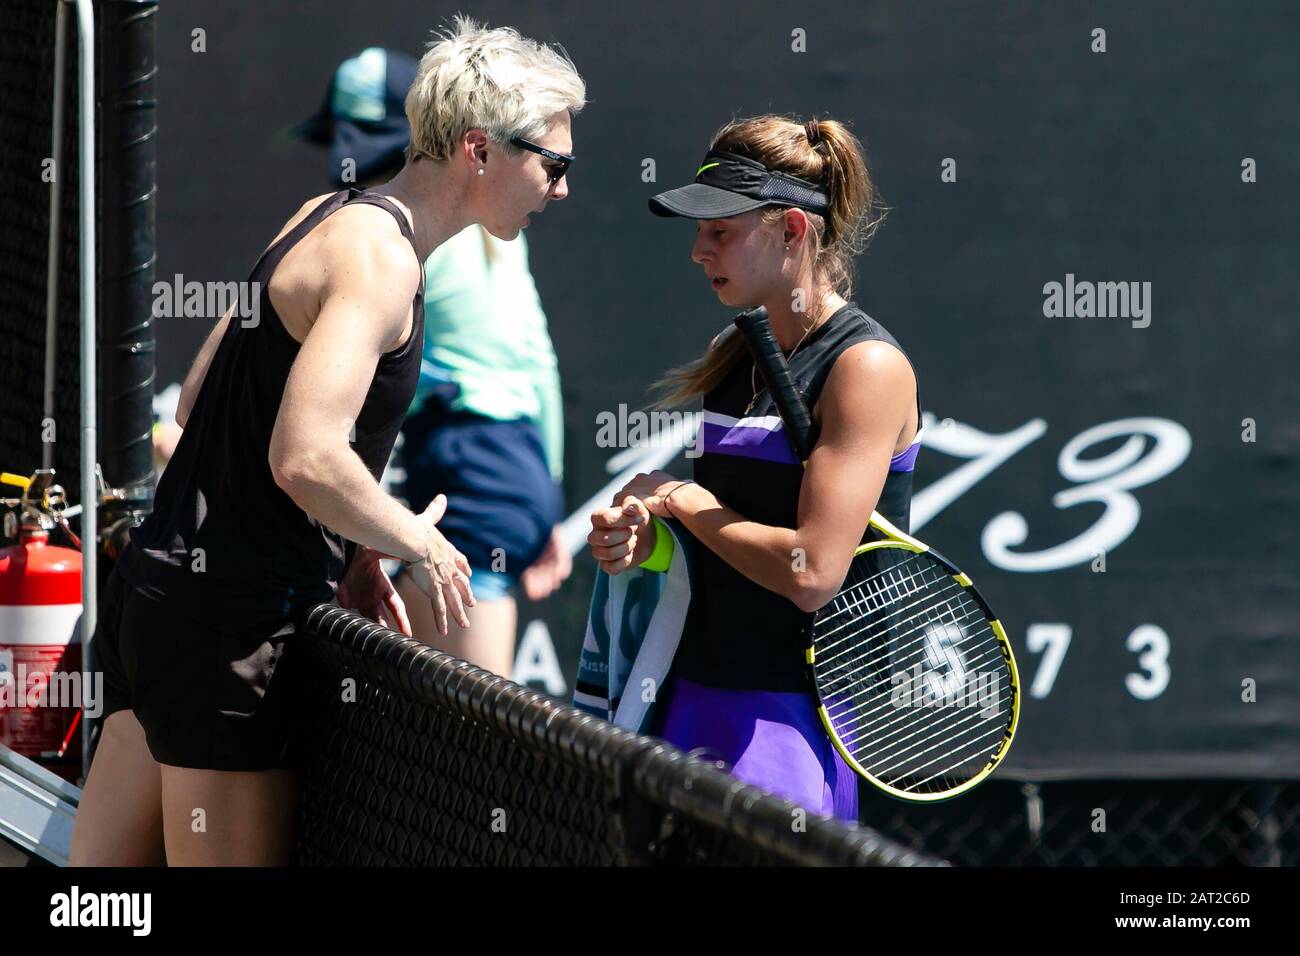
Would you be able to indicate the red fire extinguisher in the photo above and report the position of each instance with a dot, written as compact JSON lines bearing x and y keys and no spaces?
{"x":41,"y":691}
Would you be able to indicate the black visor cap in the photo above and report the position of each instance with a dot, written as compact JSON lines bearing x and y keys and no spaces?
{"x":728,"y":185}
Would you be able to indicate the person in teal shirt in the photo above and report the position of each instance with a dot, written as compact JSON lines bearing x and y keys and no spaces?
{"x":487,"y":430}
{"x":486,"y":425}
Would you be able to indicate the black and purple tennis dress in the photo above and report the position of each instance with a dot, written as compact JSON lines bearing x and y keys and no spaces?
{"x":739,"y":687}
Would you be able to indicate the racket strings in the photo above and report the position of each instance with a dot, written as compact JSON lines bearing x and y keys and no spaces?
{"x":981,"y":732}
{"x":884,"y":751}
{"x":942,"y":595}
{"x":853,"y":699}
{"x":971,"y":746}
{"x":896,"y":732}
{"x":851,"y":668}
{"x":971,"y":755}
{"x":887,"y":619}
{"x":870,"y":745}
{"x":907,"y":744}
{"x":975,"y":756}
{"x":856,"y":715}
{"x":858,"y":600}
{"x":847,"y":642}
{"x":857,"y":590}
{"x":837,"y":655}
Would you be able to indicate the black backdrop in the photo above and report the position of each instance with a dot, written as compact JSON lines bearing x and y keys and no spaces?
{"x":1116,"y":166}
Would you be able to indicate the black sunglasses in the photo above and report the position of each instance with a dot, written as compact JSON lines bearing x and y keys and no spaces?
{"x":555,"y":174}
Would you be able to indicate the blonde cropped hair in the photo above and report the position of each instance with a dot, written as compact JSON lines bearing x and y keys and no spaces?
{"x":491,"y":79}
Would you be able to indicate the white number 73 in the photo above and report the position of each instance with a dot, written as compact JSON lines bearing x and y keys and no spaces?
{"x":1149,"y":641}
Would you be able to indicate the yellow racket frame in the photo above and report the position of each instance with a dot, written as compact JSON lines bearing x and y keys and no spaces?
{"x":894,"y":538}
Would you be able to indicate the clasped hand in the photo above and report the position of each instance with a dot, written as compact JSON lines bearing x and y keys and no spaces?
{"x":622,"y":535}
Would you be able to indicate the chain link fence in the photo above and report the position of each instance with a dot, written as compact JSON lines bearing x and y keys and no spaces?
{"x":1103,"y":823}
{"x":416,"y":758}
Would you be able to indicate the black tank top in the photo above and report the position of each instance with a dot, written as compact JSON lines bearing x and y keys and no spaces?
{"x":222,"y":536}
{"x":738,"y":634}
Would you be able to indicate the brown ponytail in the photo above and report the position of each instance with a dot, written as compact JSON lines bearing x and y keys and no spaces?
{"x":821,"y":151}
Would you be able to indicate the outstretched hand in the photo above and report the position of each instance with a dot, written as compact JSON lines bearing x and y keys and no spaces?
{"x":443,"y":573}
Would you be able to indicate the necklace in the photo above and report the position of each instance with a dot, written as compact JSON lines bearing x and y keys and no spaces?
{"x":753,"y":373}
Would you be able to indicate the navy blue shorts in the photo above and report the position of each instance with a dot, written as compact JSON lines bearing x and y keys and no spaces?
{"x":501,"y":500}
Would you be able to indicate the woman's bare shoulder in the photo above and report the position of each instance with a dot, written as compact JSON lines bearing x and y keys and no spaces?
{"x":303,"y":212}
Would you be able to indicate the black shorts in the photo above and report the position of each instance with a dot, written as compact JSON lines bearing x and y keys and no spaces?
{"x":210,"y":695}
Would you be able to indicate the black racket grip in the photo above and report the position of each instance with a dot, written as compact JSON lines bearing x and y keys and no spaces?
{"x":755,"y":326}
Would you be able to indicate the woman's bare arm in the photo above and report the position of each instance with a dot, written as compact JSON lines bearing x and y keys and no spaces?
{"x":864,"y":407}
{"x":367,"y":287}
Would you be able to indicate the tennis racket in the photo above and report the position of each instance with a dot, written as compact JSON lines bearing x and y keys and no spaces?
{"x":915,"y":680}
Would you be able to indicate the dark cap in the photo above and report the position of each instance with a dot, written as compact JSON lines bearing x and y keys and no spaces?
{"x":363,"y":117}
{"x":727,"y":185}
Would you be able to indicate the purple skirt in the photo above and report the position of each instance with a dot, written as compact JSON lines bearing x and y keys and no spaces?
{"x":771,"y":740}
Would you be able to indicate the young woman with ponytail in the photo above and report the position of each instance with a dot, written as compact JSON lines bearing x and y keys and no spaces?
{"x":781,"y":209}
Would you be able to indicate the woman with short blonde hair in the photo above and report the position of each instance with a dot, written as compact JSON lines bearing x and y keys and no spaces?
{"x":271,"y":502}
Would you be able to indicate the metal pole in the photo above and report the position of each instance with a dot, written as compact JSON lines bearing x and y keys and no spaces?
{"x":56,"y":223}
{"x":89,"y":486}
